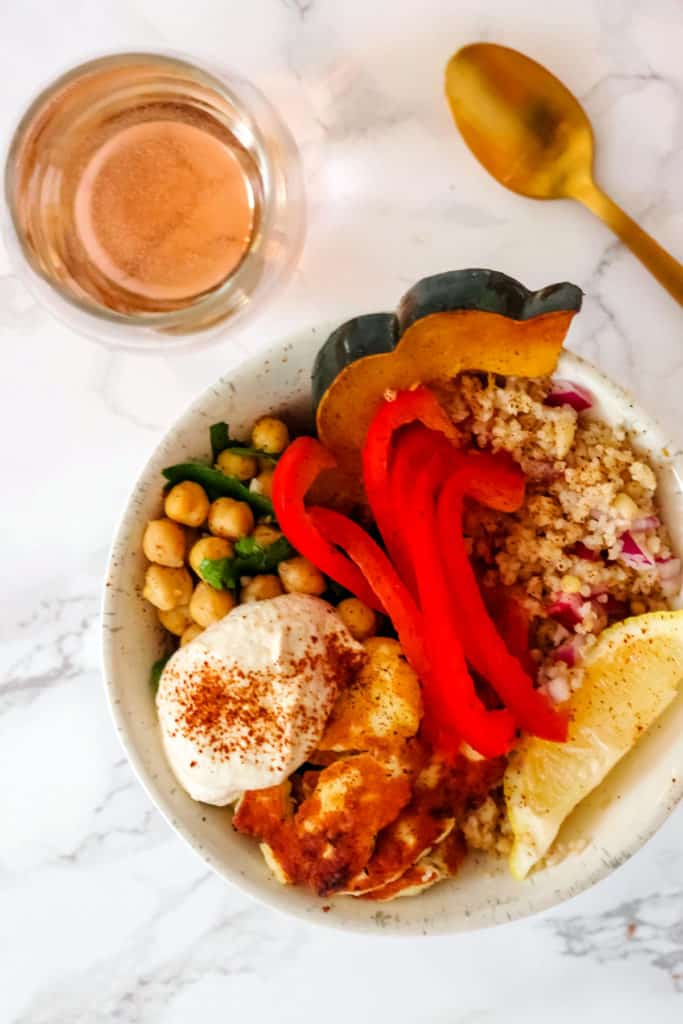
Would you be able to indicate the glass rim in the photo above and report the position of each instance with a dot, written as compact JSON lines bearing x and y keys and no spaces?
{"x":178,"y":326}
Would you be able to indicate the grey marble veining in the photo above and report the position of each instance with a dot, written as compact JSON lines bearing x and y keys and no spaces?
{"x":646,"y":927}
{"x":104,"y":914}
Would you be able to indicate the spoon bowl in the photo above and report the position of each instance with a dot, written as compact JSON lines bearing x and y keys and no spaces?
{"x":520,"y":121}
{"x":534,"y":137}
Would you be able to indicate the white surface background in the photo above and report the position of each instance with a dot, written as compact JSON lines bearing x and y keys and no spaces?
{"x":104,"y":915}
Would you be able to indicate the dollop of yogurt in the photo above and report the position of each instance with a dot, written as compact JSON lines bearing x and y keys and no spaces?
{"x":244,"y":704}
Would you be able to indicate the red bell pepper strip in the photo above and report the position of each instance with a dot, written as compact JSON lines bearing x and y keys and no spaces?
{"x":487,"y":476}
{"x":503,"y":485}
{"x":512,"y":621}
{"x":382,"y":577}
{"x":296,"y":470}
{"x":494,"y":480}
{"x":393,"y":413}
{"x":417,"y":444}
{"x":483,"y":644}
{"x":453,"y":702}
{"x":403,"y":611}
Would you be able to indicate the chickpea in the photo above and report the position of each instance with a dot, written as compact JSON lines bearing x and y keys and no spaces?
{"x":360,"y":620}
{"x":266,"y":535}
{"x":270,"y":435}
{"x":167,"y":588}
{"x":263,"y":483}
{"x":260,"y":588}
{"x":299,"y":576}
{"x":230,"y":518}
{"x":176,"y":620}
{"x":187,"y":503}
{"x":190,"y":633}
{"x":209,"y":547}
{"x":164,"y":543}
{"x":384,"y":649}
{"x":208,"y":605}
{"x":241,"y":466}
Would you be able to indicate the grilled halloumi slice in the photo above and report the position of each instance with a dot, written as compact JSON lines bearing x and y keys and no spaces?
{"x":267,"y":815}
{"x":337,"y":826}
{"x":417,"y":879}
{"x":399,"y":846}
{"x":442,"y":862}
{"x":332,"y":835}
{"x":426,"y":821}
{"x":260,"y":812}
{"x":442,"y":793}
{"x":382,"y":704}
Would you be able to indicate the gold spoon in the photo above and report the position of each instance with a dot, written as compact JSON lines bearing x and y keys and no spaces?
{"x":531,"y":134}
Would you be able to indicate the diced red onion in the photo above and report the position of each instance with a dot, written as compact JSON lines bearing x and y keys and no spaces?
{"x":581,"y":550}
{"x":634,"y":554}
{"x":645,"y":523}
{"x":566,"y":653}
{"x":571,"y":651}
{"x":564,"y":392}
{"x":566,"y":609}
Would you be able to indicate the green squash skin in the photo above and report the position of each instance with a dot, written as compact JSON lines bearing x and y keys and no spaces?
{"x":362,"y":336}
{"x":486,"y":290}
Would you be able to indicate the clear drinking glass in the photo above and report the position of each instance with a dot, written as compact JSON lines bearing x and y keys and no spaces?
{"x":65,"y":139}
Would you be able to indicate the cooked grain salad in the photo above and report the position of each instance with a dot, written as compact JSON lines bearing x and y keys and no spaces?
{"x":587,"y":547}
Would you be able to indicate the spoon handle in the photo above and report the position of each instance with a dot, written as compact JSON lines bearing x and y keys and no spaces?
{"x":667,"y":270}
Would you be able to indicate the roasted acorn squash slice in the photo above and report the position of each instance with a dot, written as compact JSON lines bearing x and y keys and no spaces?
{"x":461,"y":320}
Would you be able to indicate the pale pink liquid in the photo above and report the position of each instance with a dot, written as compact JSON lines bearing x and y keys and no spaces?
{"x":164,"y":210}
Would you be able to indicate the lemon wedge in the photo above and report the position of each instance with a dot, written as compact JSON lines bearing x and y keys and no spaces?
{"x":631,"y":675}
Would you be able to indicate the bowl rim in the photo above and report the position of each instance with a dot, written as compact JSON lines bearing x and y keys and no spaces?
{"x":535,"y":902}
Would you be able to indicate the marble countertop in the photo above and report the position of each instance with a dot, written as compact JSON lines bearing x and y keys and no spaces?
{"x":104,"y":914}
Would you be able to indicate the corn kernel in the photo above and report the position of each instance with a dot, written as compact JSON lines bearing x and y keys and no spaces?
{"x":570,"y":584}
{"x":624,"y":506}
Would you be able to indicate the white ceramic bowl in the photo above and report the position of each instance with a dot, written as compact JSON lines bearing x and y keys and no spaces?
{"x":610,"y":825}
